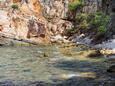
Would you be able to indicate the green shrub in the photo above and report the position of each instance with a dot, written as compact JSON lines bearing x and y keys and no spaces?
{"x":72,"y":6}
{"x":81,"y":17}
{"x":83,"y":25}
{"x":98,"y":19}
{"x":71,"y":31}
{"x":14,"y":6}
{"x":102,"y":29}
{"x":81,"y":21}
{"x":93,"y":22}
{"x":77,"y":4}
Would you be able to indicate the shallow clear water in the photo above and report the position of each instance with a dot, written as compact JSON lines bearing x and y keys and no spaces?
{"x":32,"y":65}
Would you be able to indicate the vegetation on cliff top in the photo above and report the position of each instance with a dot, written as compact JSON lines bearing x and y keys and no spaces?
{"x":92,"y":24}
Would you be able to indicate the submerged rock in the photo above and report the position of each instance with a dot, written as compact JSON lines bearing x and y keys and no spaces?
{"x":95,"y":53}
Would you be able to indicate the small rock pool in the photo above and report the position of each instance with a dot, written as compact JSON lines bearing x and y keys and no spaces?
{"x":52,"y":65}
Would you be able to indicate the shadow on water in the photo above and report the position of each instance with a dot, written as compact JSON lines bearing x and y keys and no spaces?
{"x":69,"y":82}
{"x":90,"y":73}
{"x":74,"y":66}
{"x":82,"y":66}
{"x":73,"y":81}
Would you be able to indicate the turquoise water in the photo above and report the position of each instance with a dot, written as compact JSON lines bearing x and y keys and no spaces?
{"x":32,"y":65}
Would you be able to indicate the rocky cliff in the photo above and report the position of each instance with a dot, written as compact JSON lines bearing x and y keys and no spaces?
{"x":43,"y":20}
{"x":37,"y":19}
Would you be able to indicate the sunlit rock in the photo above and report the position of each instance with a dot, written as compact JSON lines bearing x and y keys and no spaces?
{"x":48,"y":13}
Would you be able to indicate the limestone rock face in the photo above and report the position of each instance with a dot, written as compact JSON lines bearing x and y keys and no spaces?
{"x":35,"y":28}
{"x":55,"y":8}
{"x":54,"y":12}
{"x":37,"y":7}
{"x":38,"y":19}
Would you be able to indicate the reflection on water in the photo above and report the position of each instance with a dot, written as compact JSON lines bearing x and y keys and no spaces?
{"x":44,"y":63}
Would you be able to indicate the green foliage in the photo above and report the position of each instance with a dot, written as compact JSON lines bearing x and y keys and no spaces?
{"x":93,"y":23}
{"x":81,"y":17}
{"x":81,"y":20}
{"x":77,"y":4}
{"x":98,"y":19}
{"x":72,"y":6}
{"x":83,"y":25}
{"x":14,"y":6}
{"x":102,"y":29}
{"x":71,"y":31}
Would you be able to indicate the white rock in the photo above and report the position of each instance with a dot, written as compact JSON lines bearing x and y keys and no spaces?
{"x":107,"y":45}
